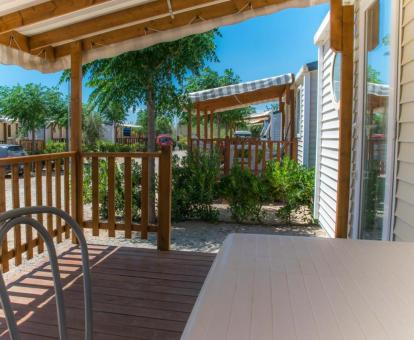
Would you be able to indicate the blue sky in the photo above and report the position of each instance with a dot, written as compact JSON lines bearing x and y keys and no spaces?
{"x":259,"y":48}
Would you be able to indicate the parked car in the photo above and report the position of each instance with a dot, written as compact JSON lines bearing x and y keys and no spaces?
{"x":11,"y":150}
{"x":242,"y":134}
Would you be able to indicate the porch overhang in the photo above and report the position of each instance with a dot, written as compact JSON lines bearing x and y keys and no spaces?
{"x":38,"y":34}
{"x":241,"y":95}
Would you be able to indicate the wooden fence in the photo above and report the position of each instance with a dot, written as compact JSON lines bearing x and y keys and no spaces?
{"x":249,"y":153}
{"x":131,"y":140}
{"x":46,"y":180}
{"x":27,"y":145}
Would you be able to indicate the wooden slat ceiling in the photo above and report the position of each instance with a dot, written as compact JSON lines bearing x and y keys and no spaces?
{"x":47,"y":28}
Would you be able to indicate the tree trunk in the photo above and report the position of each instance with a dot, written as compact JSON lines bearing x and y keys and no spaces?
{"x":150,"y":148}
{"x":33,"y":140}
{"x":115,"y":131}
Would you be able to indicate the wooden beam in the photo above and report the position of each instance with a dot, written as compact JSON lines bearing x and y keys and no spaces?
{"x":345,"y":122}
{"x":15,"y":40}
{"x":44,"y":11}
{"x":76,"y":129}
{"x":153,"y":25}
{"x":336,"y":21}
{"x":146,"y":12}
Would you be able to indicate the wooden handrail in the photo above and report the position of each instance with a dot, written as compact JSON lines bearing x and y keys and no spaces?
{"x":35,"y":158}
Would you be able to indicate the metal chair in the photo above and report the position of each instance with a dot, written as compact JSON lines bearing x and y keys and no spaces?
{"x":18,"y":216}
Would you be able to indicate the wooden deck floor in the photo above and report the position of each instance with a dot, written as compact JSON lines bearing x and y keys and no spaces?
{"x":137,"y":294}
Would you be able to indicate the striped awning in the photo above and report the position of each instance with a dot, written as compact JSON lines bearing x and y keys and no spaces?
{"x":241,"y":88}
{"x":379,"y":90}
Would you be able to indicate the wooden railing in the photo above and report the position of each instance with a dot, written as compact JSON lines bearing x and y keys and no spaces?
{"x":48,"y":180}
{"x":126,"y":166}
{"x":45,"y":182}
{"x":249,"y":153}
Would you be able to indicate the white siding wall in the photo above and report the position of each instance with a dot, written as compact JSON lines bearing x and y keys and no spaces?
{"x":313,"y":118}
{"x":306,"y":95}
{"x":327,"y":163}
{"x":300,"y":97}
{"x":404,"y":205}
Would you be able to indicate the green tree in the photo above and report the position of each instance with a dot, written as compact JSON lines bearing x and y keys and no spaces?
{"x":163,"y":124}
{"x":92,"y":127}
{"x":208,"y":79}
{"x":33,"y":106}
{"x":115,"y":113}
{"x":151,"y":77}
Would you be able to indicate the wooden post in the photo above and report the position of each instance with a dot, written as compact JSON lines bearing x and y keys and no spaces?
{"x":205,"y":126}
{"x":189,"y":130}
{"x":226,"y":155}
{"x":291,"y":104}
{"x":76,"y":130}
{"x":282,"y":112}
{"x":345,"y":122}
{"x":198,"y":123}
{"x":211,"y":126}
{"x":164,"y":200}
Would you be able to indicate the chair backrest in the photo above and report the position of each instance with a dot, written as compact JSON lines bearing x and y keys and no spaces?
{"x":18,"y":216}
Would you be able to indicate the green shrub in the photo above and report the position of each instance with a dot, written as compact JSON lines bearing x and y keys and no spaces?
{"x":105,"y":146}
{"x":245,"y":194}
{"x":119,"y":188}
{"x":194,"y":186}
{"x":290,"y":183}
{"x":55,"y":147}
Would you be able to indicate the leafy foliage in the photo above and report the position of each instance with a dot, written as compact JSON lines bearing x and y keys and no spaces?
{"x":194,"y":186}
{"x":55,"y":147}
{"x":105,"y":146}
{"x":163,"y":124}
{"x":245,"y":193}
{"x":119,"y":188}
{"x":290,"y":183}
{"x":33,"y":106}
{"x":92,"y":128}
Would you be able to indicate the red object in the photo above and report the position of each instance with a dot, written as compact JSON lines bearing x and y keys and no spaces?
{"x":164,"y":140}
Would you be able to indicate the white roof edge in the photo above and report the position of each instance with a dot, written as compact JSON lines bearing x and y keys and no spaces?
{"x":323,"y":31}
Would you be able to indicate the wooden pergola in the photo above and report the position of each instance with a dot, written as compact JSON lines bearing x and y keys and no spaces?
{"x":208,"y":104}
{"x":53,"y":35}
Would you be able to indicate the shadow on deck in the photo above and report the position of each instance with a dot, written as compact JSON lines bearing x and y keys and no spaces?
{"x":137,"y":293}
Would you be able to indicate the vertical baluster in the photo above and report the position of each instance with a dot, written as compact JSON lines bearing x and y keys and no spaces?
{"x":67,"y":193}
{"x":242,"y":154}
{"x":95,"y":196}
{"x":4,"y":243}
{"x":16,"y":204}
{"x":58,"y":198}
{"x":264,"y":156}
{"x":49,"y":198}
{"x":271,"y":150}
{"x":278,"y":151}
{"x":39,"y":201}
{"x":256,"y":158}
{"x":144,"y":198}
{"x":249,"y":155}
{"x":111,"y":197}
{"x":28,"y":203}
{"x":128,"y":197}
